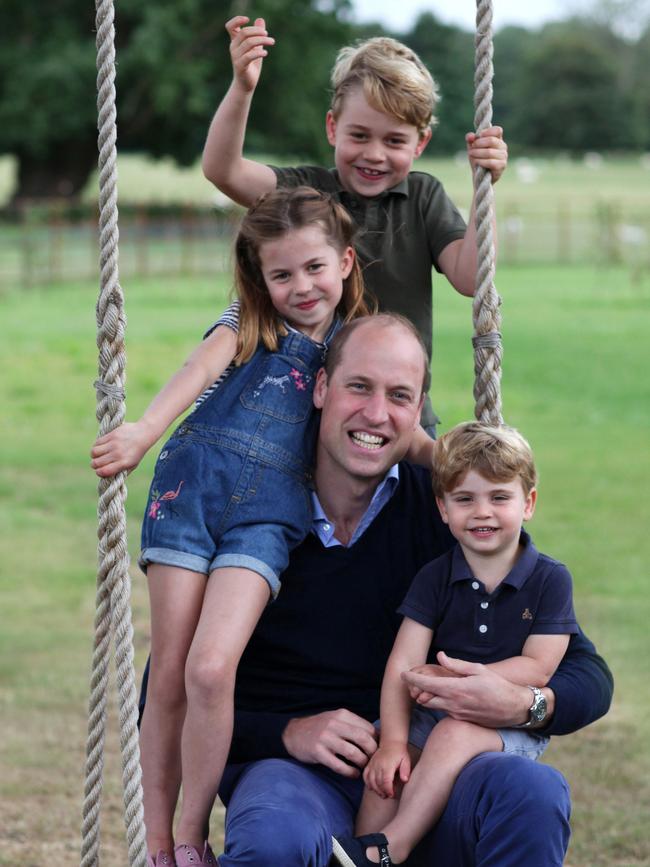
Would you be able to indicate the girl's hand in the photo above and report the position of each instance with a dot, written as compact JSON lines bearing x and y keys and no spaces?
{"x":247,"y":49}
{"x":391,"y":761}
{"x":121,"y":449}
{"x":489,"y":150}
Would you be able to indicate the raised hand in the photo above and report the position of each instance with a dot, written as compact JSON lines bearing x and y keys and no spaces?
{"x":489,"y":150}
{"x":247,"y":49}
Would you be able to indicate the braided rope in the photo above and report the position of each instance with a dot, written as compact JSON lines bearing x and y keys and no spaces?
{"x":486,"y":316}
{"x":113,"y":616}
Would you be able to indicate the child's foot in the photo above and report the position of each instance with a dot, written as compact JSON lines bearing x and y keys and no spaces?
{"x":187,"y":856}
{"x":351,"y":851}
{"x":162,"y":859}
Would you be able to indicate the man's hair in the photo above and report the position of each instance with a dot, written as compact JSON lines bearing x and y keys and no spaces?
{"x":392,"y":78}
{"x":271,"y":217}
{"x":498,"y":453}
{"x":384,"y":320}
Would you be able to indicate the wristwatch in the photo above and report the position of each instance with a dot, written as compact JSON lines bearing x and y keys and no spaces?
{"x":537,"y":711}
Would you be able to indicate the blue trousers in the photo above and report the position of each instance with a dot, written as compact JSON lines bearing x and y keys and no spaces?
{"x":504,"y":811}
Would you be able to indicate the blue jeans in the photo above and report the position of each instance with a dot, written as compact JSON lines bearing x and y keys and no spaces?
{"x":504,"y":811}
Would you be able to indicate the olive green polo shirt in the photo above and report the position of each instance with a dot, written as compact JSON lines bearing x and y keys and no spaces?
{"x":402,"y":233}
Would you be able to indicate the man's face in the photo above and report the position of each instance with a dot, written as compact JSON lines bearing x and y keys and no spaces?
{"x":373,"y":151}
{"x":371,"y":402}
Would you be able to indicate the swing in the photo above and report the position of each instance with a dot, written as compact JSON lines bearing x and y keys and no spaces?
{"x":113,"y":613}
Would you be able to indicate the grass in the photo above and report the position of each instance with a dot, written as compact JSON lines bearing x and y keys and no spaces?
{"x":575,"y":381}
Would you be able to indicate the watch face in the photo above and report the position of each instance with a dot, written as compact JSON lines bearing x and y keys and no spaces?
{"x":538,"y":710}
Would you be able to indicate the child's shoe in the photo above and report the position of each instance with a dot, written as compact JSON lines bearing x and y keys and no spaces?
{"x":351,"y":851}
{"x":162,"y":859}
{"x":187,"y":856}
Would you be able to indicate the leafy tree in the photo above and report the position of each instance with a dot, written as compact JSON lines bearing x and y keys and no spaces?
{"x":173,"y":67}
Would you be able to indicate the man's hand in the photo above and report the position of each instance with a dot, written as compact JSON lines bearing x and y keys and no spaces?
{"x":247,"y":49}
{"x":489,"y":150}
{"x":475,"y":694}
{"x":338,"y":739}
{"x":390,"y":762}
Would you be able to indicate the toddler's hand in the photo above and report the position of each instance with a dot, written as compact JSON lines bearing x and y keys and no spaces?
{"x":247,"y":49}
{"x":489,"y":150}
{"x":121,"y":449}
{"x":391,"y":761}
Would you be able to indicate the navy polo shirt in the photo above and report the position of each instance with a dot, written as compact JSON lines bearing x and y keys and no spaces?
{"x":469,"y":623}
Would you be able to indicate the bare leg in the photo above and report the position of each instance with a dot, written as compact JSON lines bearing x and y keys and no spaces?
{"x":234,"y":600}
{"x":176,"y":596}
{"x":451,"y":744}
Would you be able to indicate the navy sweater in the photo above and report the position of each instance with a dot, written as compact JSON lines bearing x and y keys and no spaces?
{"x":323,"y":644}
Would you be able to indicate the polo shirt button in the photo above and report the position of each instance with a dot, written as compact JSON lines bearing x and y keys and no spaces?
{"x":484,"y":604}
{"x":475,"y":585}
{"x":482,"y":628}
{"x":326,"y":526}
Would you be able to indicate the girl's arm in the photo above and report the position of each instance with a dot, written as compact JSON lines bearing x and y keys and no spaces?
{"x":458,"y":261}
{"x":223,"y":158}
{"x":540,"y":656}
{"x":124,"y":447}
{"x":410,"y":649}
{"x":421,"y":449}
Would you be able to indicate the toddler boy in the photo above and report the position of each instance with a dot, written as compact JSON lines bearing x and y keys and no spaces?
{"x":379,"y":123}
{"x":493,"y":599}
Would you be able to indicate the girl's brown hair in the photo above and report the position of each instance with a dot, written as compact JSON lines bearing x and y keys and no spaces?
{"x":271,"y":217}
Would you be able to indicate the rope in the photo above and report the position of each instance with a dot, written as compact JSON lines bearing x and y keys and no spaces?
{"x":113,"y":615}
{"x":485,"y":312}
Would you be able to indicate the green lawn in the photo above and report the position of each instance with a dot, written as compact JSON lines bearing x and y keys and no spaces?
{"x":575,"y":382}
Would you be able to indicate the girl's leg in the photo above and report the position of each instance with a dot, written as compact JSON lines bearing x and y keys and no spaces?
{"x":176,"y":596}
{"x":234,"y":600}
{"x":450,"y":746}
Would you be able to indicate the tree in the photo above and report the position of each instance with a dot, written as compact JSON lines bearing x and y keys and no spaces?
{"x":173,"y":67}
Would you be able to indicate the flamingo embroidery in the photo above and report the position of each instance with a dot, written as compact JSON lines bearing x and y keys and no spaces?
{"x":155,"y":509}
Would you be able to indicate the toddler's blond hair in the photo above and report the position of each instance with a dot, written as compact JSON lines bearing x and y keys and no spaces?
{"x":498,"y":453}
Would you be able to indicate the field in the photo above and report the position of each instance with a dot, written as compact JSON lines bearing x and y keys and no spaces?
{"x":575,"y":381}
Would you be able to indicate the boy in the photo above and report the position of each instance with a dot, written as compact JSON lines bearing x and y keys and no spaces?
{"x":492,"y":599}
{"x":379,"y":124}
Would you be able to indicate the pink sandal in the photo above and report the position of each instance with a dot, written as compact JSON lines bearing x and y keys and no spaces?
{"x":187,"y":856}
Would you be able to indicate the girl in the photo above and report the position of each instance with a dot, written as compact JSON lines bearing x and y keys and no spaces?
{"x":229,"y":498}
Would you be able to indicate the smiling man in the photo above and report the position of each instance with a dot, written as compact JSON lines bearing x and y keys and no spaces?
{"x":308,"y":684}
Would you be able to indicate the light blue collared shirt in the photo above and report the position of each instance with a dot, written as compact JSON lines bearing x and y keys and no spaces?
{"x":324,"y":528}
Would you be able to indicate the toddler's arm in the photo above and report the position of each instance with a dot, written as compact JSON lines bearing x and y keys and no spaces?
{"x":458,"y":261}
{"x":124,"y":447}
{"x":241,"y":179}
{"x":392,"y":757}
{"x":422,"y":448}
{"x":540,"y":656}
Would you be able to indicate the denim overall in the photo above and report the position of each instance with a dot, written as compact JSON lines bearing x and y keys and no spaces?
{"x":231,"y":485}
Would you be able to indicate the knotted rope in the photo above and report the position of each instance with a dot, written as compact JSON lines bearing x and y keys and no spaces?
{"x":113,"y":617}
{"x":486,"y":316}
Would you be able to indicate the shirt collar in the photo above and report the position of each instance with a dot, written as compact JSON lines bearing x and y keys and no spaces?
{"x":323,"y":527}
{"x":401,"y":189}
{"x":518,"y":575}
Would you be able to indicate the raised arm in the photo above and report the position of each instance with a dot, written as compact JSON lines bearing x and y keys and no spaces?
{"x":458,"y":261}
{"x":124,"y":447}
{"x":224,"y":164}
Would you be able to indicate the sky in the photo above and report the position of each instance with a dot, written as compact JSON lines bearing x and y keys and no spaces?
{"x":400,"y":14}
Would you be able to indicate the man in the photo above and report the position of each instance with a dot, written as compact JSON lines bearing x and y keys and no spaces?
{"x":308,"y":684}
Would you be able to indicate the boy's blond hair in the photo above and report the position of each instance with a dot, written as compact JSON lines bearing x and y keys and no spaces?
{"x":393,"y":80}
{"x":498,"y":453}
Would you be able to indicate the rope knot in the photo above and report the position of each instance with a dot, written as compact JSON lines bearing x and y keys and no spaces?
{"x":489,"y":340}
{"x":110,"y":390}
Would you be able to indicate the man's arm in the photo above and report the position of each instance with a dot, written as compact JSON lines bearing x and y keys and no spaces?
{"x":579,"y":692}
{"x":458,"y":261}
{"x":223,"y":163}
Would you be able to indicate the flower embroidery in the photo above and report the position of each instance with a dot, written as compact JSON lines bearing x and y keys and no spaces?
{"x":157,"y":499}
{"x":299,"y":379}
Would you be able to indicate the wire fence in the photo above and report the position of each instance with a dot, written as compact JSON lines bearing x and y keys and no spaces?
{"x":43,"y":246}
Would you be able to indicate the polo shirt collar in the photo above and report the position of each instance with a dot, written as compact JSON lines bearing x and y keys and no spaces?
{"x":401,"y":189}
{"x":518,"y":575}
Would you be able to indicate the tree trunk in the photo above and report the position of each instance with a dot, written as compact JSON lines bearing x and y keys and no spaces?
{"x":61,"y":173}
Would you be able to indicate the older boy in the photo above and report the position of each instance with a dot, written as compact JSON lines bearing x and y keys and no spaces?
{"x":379,"y":123}
{"x":492,"y":599}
